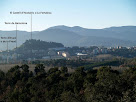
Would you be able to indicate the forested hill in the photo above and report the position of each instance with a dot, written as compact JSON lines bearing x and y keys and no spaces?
{"x":38,"y":45}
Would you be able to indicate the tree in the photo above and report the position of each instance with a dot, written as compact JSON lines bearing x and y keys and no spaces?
{"x":64,"y":69}
{"x":2,"y":75}
{"x":25,"y":68}
{"x":39,"y":68}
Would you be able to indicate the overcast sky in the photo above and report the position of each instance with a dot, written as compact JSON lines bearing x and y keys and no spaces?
{"x":85,"y":13}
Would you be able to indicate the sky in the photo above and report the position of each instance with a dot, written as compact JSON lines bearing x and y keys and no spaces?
{"x":93,"y":14}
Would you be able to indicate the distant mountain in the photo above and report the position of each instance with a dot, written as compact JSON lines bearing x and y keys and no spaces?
{"x":123,"y":33}
{"x":69,"y":38}
{"x":78,"y":36}
{"x":122,"y":29}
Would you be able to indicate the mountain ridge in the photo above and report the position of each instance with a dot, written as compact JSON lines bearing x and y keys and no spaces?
{"x":78,"y":36}
{"x":106,"y":32}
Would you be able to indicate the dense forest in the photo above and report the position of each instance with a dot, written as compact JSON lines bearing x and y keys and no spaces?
{"x":20,"y":84}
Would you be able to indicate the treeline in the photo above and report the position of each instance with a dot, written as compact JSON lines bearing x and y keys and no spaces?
{"x":87,"y":64}
{"x":63,"y":62}
{"x":130,"y":62}
{"x":127,"y":53}
{"x":104,"y":63}
{"x":20,"y":84}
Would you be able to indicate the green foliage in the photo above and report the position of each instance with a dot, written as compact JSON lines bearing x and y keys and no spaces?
{"x":128,"y":53}
{"x":69,"y":97}
{"x":64,"y":69}
{"x":25,"y":68}
{"x":39,"y":68}
{"x":2,"y":75}
{"x":57,"y":85}
{"x":105,"y":63}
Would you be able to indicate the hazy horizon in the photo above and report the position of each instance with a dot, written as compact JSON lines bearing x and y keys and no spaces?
{"x":71,"y":27}
{"x":88,"y":13}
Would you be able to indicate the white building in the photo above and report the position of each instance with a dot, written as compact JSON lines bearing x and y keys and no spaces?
{"x":65,"y":54}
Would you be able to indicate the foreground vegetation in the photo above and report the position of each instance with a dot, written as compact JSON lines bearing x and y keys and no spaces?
{"x":57,"y":85}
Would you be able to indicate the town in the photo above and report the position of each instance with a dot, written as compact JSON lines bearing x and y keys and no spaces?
{"x":24,"y":52}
